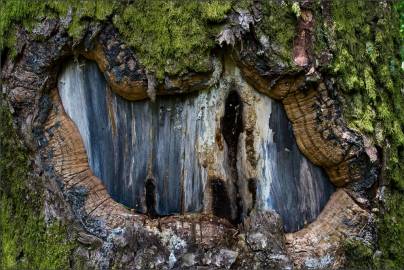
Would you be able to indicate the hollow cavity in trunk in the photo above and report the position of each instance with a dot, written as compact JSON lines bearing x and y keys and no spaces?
{"x":167,"y":157}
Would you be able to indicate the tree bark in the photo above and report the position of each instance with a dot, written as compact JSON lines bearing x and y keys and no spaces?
{"x":256,"y":162}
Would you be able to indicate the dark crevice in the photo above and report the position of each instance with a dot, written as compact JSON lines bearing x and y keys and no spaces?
{"x":232,"y":126}
{"x":151,"y":198}
{"x":20,"y":256}
{"x":252,"y":188}
{"x":220,"y":199}
{"x":3,"y":56}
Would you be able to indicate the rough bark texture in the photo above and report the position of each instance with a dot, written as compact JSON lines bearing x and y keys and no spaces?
{"x":221,"y":221}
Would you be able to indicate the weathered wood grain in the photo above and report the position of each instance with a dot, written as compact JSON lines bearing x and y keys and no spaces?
{"x":176,"y":146}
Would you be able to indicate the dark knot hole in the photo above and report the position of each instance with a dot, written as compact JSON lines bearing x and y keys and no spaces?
{"x":151,"y":198}
{"x":221,"y":205}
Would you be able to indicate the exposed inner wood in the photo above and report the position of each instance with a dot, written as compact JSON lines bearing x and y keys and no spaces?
{"x":340,"y":215}
{"x":159,"y":157}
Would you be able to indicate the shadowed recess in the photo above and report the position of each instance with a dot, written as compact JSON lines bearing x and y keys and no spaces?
{"x":220,"y":199}
{"x":232,"y":126}
{"x":252,"y":188}
{"x":151,"y":198}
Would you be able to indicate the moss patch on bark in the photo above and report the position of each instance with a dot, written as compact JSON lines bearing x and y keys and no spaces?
{"x":365,"y":41}
{"x":172,"y":36}
{"x":169,"y":36}
{"x":279,"y":24}
{"x":359,"y":255}
{"x":26,"y":241}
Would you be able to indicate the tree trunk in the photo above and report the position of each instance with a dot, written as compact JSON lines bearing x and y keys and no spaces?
{"x":213,"y":135}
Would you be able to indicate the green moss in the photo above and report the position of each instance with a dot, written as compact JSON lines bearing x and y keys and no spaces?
{"x":26,"y":241}
{"x":29,"y":13}
{"x":172,"y":36}
{"x":82,"y":12}
{"x":366,"y":122}
{"x":359,"y":255}
{"x":370,"y":84}
{"x":366,"y":65}
{"x":296,"y":9}
{"x":14,"y":11}
{"x":391,"y":231}
{"x":215,"y":11}
{"x":279,"y":21}
{"x":242,"y":5}
{"x":366,"y":43}
{"x":169,"y":36}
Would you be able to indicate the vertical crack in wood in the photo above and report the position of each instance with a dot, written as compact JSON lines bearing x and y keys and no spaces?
{"x":232,"y":126}
{"x":150,"y":191}
{"x":252,"y":188}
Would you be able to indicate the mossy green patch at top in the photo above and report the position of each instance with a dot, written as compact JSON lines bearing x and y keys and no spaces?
{"x":16,"y":11}
{"x":168,"y":36}
{"x":81,"y":12}
{"x":29,"y":13}
{"x":172,"y":36}
{"x":26,"y":241}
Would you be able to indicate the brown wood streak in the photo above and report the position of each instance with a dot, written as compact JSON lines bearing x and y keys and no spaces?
{"x":303,"y":110}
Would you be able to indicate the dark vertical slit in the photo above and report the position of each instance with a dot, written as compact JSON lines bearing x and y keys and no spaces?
{"x":220,"y":199}
{"x":3,"y":54}
{"x":151,"y":198}
{"x":232,"y":126}
{"x":252,"y":188}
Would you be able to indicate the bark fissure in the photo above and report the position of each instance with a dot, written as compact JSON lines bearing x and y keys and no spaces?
{"x":232,"y":126}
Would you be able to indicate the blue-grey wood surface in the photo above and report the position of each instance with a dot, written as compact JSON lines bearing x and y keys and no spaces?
{"x":130,"y":143}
